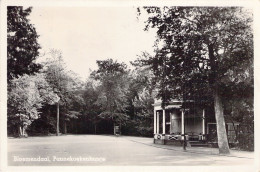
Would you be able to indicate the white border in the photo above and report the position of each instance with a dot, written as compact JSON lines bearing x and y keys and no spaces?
{"x":75,"y":3}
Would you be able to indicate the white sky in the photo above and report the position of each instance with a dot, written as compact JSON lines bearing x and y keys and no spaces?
{"x":87,"y":34}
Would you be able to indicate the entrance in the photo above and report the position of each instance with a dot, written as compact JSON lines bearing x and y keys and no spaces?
{"x":212,"y":132}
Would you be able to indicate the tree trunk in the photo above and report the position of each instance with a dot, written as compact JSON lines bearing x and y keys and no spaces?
{"x":95,"y":128}
{"x":20,"y":127}
{"x":20,"y":133}
{"x":58,"y":119}
{"x":218,"y":106}
{"x":120,"y":128}
{"x":22,"y":130}
{"x":48,"y":120}
{"x":114,"y":128}
{"x":221,"y":127}
{"x":76,"y":126}
{"x":235,"y":128}
{"x":65,"y":127}
{"x":64,"y":124}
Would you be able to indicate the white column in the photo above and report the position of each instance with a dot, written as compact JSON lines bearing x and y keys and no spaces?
{"x":157,"y":121}
{"x":170,"y":122}
{"x":163,"y":121}
{"x":182,"y":123}
{"x":154,"y":124}
{"x":203,"y":122}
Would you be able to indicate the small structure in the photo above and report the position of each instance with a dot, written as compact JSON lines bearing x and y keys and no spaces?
{"x":179,"y":119}
{"x":117,"y":131}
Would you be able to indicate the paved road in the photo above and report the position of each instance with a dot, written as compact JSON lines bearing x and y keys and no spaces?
{"x":105,"y":150}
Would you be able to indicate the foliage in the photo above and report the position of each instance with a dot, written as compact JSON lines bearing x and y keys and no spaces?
{"x":91,"y":109}
{"x":143,"y":88}
{"x":140,"y":99}
{"x":66,"y":84}
{"x":137,"y":127}
{"x":202,"y":53}
{"x":27,"y":94}
{"x":22,"y":43}
{"x":185,"y":35}
{"x":112,"y":89}
{"x":44,"y":125}
{"x":111,"y":93}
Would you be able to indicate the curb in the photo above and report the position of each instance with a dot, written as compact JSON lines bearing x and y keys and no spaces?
{"x":188,"y":151}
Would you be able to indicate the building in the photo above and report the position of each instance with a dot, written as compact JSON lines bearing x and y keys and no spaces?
{"x":198,"y":124}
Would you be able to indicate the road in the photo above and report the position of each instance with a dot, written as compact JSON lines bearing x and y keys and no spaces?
{"x":99,"y":150}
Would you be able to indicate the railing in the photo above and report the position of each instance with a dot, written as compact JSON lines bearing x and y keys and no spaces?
{"x":178,"y":136}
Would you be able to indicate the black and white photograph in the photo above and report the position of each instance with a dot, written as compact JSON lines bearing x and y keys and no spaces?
{"x":131,"y":84}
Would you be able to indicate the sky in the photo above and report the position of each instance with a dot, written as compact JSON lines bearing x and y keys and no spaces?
{"x":87,"y":34}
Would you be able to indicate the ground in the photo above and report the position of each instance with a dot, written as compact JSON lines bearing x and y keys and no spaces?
{"x":112,"y":150}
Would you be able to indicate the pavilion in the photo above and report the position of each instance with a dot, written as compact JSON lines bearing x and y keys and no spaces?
{"x":177,"y":120}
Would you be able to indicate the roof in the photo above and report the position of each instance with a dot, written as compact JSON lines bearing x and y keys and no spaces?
{"x":172,"y":102}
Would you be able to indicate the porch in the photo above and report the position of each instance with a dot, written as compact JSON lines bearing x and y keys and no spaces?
{"x":198,"y":125}
{"x":174,"y":122}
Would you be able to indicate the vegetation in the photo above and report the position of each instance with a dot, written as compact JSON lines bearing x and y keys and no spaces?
{"x":204,"y":54}
{"x":112,"y":88}
{"x":22,"y":45}
{"x":202,"y":51}
{"x":26,"y":96}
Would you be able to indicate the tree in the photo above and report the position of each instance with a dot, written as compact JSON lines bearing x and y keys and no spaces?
{"x":27,"y":95}
{"x":198,"y":48}
{"x":64,"y":84}
{"x":72,"y":108}
{"x":91,"y":108}
{"x":112,"y":90}
{"x":22,"y":43}
{"x":140,"y":99}
{"x":67,"y":85}
{"x":239,"y":104}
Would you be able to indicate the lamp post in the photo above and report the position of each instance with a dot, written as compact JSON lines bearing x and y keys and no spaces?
{"x":58,"y":103}
{"x":183,"y":129}
{"x":58,"y":119}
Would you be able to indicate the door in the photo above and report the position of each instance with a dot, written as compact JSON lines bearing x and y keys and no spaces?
{"x":212,"y":132}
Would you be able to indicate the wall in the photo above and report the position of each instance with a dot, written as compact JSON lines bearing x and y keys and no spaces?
{"x":175,"y":121}
{"x":191,"y":124}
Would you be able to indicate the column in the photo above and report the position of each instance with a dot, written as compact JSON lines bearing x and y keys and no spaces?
{"x":163,"y":122}
{"x":203,"y":124}
{"x":154,"y":124}
{"x":182,"y":124}
{"x":170,"y":122}
{"x":157,"y":121}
